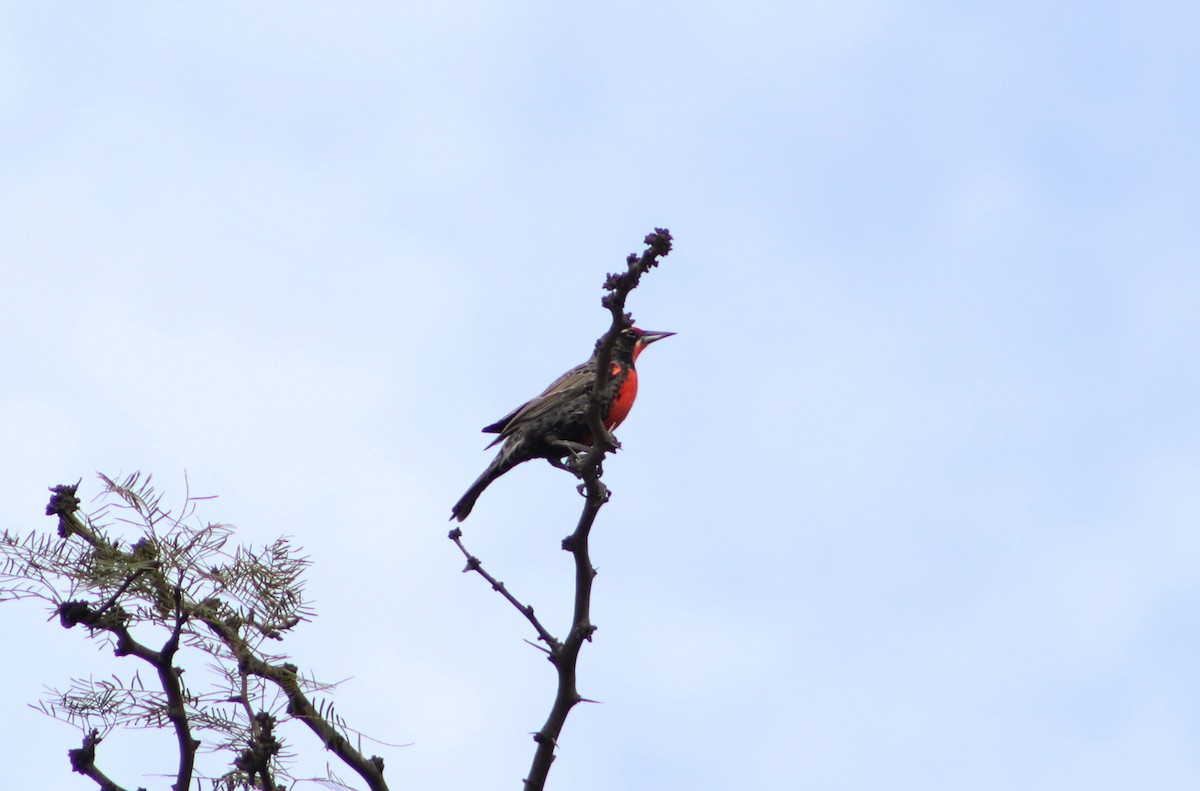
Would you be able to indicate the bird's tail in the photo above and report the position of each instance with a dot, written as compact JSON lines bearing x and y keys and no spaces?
{"x":503,"y":462}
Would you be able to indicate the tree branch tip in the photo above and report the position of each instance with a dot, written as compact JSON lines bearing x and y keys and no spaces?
{"x":455,"y":534}
{"x":64,"y":499}
{"x":660,"y":241}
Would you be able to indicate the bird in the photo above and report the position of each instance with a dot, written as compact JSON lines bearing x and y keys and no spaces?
{"x":554,"y":423}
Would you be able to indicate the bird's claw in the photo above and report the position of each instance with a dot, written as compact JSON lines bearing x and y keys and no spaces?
{"x":575,"y":449}
{"x":569,"y":466}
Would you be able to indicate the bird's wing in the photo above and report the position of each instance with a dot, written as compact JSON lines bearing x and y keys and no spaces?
{"x":570,"y":385}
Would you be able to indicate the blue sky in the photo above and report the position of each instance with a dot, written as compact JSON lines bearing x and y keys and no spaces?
{"x":910,"y":501}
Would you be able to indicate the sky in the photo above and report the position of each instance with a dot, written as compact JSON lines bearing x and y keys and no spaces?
{"x":910,"y":501}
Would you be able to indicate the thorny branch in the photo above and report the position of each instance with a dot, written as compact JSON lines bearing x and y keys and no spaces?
{"x":474,"y":564}
{"x":617,"y":286}
{"x":564,"y":654}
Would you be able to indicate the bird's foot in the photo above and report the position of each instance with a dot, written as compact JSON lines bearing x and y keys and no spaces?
{"x":573,"y":449}
{"x":571,"y":453}
{"x":562,"y":464}
{"x":605,"y":492}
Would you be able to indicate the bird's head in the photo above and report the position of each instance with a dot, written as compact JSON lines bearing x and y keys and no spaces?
{"x":633,"y":340}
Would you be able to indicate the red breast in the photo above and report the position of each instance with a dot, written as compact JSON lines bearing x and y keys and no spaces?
{"x":626,"y":394}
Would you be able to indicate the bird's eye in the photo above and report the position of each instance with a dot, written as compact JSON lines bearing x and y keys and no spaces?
{"x":628,"y":333}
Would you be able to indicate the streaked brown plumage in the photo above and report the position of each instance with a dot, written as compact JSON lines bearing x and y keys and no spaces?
{"x":537,"y":428}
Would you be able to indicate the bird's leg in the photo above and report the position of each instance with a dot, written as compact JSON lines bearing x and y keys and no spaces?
{"x":573,"y":449}
{"x":562,"y":465}
{"x":567,"y":448}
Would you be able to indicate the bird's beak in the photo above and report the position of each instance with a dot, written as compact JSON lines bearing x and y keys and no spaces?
{"x":647,"y":338}
{"x":650,"y":337}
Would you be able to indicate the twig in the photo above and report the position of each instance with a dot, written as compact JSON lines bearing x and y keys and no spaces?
{"x":65,"y":505}
{"x":286,"y":677}
{"x":117,"y":595}
{"x":473,"y":564}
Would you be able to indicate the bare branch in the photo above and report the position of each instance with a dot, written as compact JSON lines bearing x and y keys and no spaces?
{"x":473,"y":564}
{"x":566,"y":656}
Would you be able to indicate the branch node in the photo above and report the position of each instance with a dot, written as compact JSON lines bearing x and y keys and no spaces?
{"x":83,"y":758}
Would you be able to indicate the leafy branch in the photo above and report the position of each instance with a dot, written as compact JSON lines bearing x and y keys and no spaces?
{"x":179,"y":577}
